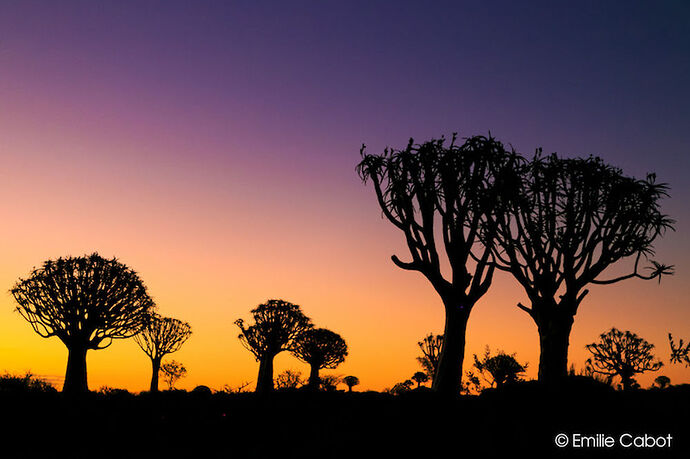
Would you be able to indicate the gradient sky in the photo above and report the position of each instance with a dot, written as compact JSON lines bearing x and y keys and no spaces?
{"x":212,"y":147}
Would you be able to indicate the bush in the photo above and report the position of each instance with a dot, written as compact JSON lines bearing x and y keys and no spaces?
{"x":26,"y":383}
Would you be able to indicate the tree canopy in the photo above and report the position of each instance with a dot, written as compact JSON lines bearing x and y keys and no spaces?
{"x":320,"y":348}
{"x":87,"y":300}
{"x":277,"y":324}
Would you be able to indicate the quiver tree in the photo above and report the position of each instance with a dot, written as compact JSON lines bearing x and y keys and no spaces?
{"x":622,"y":354}
{"x":86,"y":302}
{"x":431,"y":350}
{"x":277,"y":324}
{"x":420,"y":378}
{"x":561,"y":223}
{"x":161,"y":336}
{"x":430,"y":190}
{"x":321,"y":349}
{"x":351,"y":381}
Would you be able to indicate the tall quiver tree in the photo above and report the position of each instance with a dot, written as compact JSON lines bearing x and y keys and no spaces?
{"x":86,"y":302}
{"x":277,"y":324}
{"x":321,"y":349}
{"x":161,"y":336}
{"x":431,"y":189}
{"x":562,"y":223}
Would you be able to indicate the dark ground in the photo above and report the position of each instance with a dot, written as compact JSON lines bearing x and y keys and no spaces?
{"x":521,"y":421}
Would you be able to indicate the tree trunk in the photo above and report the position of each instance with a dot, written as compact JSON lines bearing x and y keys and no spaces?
{"x":264,"y":382}
{"x":554,"y":338}
{"x":75,"y":376}
{"x":627,"y":380}
{"x":156,"y":367}
{"x":314,"y":380}
{"x":448,"y":376}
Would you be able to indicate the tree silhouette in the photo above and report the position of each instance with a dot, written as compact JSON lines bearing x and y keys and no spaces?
{"x":562,"y":223}
{"x":321,"y":349}
{"x":86,"y":302}
{"x":662,"y":382}
{"x":161,"y":336}
{"x":172,"y":371}
{"x":420,"y":377}
{"x":431,"y":351}
{"x":679,"y":353}
{"x":455,"y":186}
{"x":288,"y":380}
{"x":351,"y":381}
{"x":277,"y":324}
{"x":499,"y":369}
{"x":622,"y":354}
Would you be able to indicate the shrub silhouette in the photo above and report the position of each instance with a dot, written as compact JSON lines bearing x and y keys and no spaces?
{"x":662,"y":382}
{"x":277,"y":324}
{"x":172,"y":371}
{"x":202,"y":390}
{"x":161,"y":336}
{"x":86,"y":302}
{"x":432,"y":183}
{"x":26,"y":383}
{"x":329,"y":383}
{"x":431,"y":350}
{"x":499,"y":369}
{"x":622,"y":354}
{"x":561,"y":224}
{"x":351,"y":381}
{"x":288,"y":379}
{"x":401,"y":387}
{"x":321,"y":349}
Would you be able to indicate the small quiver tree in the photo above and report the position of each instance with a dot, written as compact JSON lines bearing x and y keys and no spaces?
{"x":350,"y":382}
{"x":431,"y":351}
{"x":321,"y":349}
{"x":161,"y":336}
{"x":622,"y":354}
